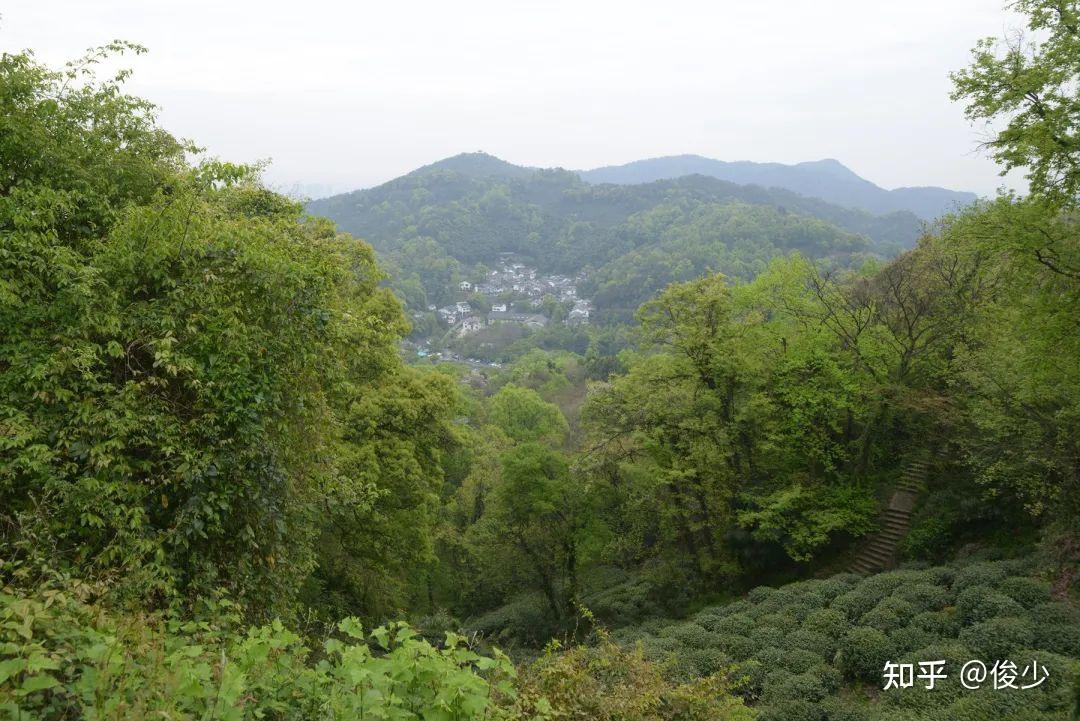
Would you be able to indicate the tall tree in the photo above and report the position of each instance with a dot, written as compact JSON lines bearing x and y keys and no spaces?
{"x":1032,"y":86}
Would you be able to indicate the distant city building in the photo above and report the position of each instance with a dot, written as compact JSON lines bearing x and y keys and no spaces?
{"x":449,"y":314}
{"x":531,"y":320}
{"x":498,"y":307}
{"x":470,"y":325}
{"x":465,"y":285}
{"x":577,"y":317}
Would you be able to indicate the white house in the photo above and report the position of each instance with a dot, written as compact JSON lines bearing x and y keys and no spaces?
{"x":498,"y":307}
{"x":465,"y":285}
{"x":470,"y":325}
{"x":463,"y":307}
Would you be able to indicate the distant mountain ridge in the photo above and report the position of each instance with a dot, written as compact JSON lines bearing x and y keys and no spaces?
{"x":433,"y":224}
{"x":829,"y":180}
{"x":380,"y":214}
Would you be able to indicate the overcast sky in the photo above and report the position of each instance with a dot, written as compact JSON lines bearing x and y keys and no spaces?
{"x":342,"y":95}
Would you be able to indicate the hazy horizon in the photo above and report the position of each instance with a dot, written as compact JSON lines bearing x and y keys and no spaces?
{"x":341,"y":98}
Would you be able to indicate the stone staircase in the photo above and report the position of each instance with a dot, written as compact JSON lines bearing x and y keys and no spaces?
{"x":879,"y":553}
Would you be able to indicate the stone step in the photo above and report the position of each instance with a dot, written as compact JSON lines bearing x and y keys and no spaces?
{"x":880,"y":550}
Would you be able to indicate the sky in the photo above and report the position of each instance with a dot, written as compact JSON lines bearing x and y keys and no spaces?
{"x":346,"y":95}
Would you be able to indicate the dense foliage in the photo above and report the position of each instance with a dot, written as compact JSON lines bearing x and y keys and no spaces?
{"x":63,"y":658}
{"x":209,"y":436}
{"x":200,"y":386}
{"x":817,"y":649}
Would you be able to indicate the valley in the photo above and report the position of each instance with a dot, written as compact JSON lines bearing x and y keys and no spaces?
{"x":682,"y":439}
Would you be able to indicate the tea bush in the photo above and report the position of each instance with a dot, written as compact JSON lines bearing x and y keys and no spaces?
{"x":999,"y":637}
{"x":863,"y":653}
{"x":813,"y":649}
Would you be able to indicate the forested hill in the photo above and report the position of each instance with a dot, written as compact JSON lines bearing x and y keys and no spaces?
{"x":829,"y":180}
{"x":630,"y":239}
{"x":438,"y":200}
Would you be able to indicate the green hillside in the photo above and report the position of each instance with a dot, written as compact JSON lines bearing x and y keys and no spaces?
{"x":631,"y":239}
{"x":542,"y":450}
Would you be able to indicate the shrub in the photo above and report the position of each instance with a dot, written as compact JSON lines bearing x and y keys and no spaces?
{"x":883,"y":584}
{"x":939,"y":623}
{"x":980,"y":603}
{"x":1059,"y":691}
{"x":891,"y":613}
{"x":940,"y":575}
{"x":658,"y":647}
{"x":793,"y":687}
{"x":608,"y":683}
{"x":857,"y":602}
{"x":837,"y":709}
{"x":782,"y":623}
{"x":1028,"y":592}
{"x":704,"y":661}
{"x":526,"y":618}
{"x":741,"y":606}
{"x":793,"y":711}
{"x":751,"y":678}
{"x":764,"y":636}
{"x":988,"y":704}
{"x":909,"y":638}
{"x":739,"y":648}
{"x":798,"y":660}
{"x":622,"y":602}
{"x":64,"y":659}
{"x":830,"y":588}
{"x":829,"y":676}
{"x":979,"y":574}
{"x":955,"y":655}
{"x":736,"y":624}
{"x":760,"y":594}
{"x":1056,"y":612}
{"x":812,"y":641}
{"x":997,"y":638}
{"x":863,"y":653}
{"x":800,"y":609}
{"x":774,"y":677}
{"x":1060,"y":638}
{"x":924,"y":596}
{"x":692,"y":635}
{"x":770,"y":657}
{"x":830,"y":622}
{"x":779,"y":604}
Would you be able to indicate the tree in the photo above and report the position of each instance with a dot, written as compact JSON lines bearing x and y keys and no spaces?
{"x":191,"y":369}
{"x":1032,"y":88}
{"x":540,"y":508}
{"x":524,"y":416}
